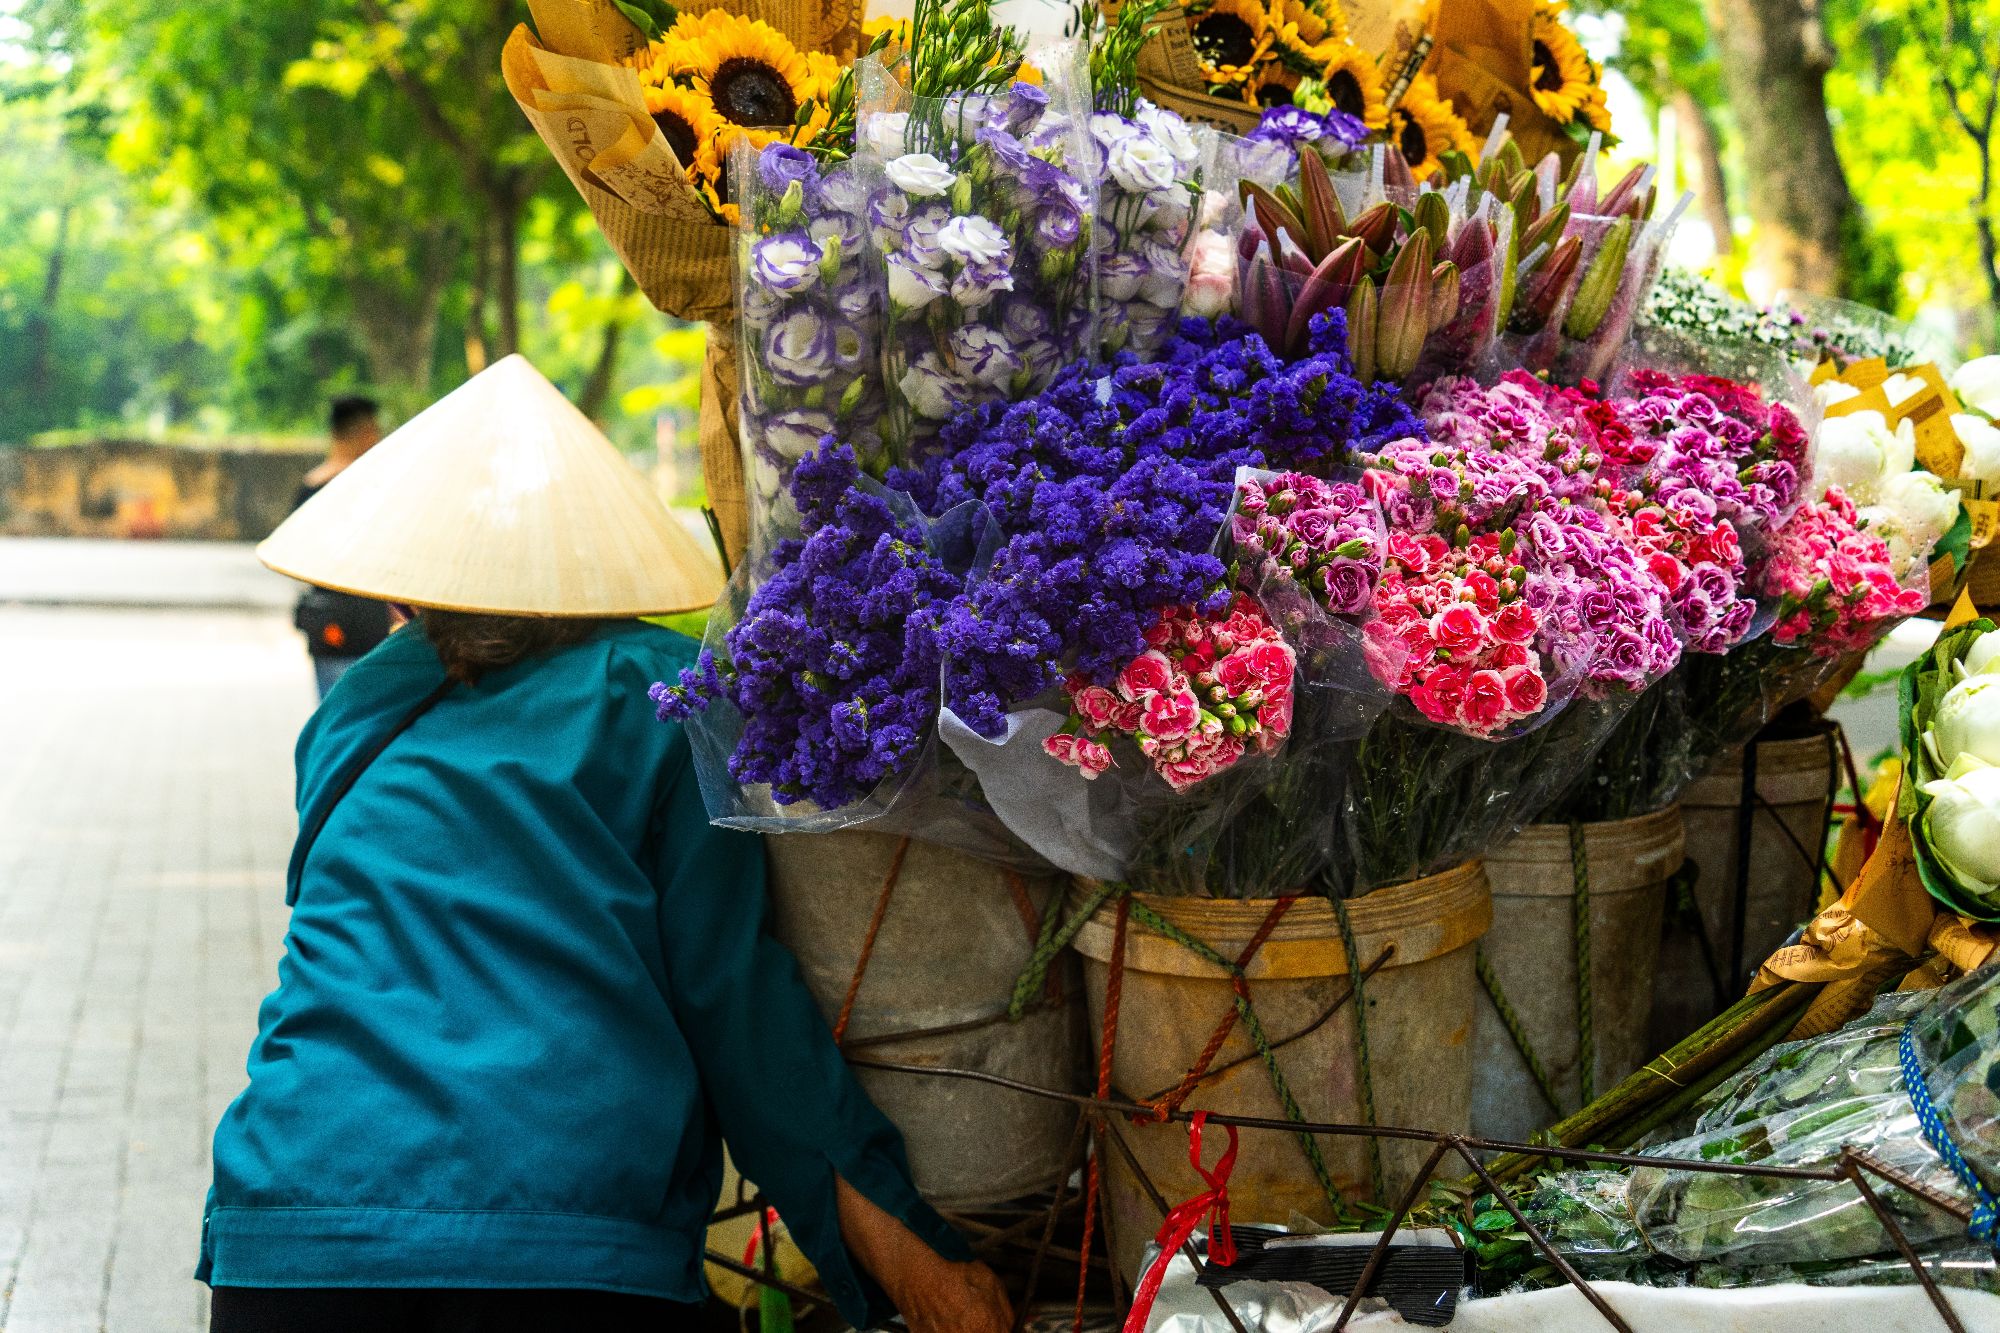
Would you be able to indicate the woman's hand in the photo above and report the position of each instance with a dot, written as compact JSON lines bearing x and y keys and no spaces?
{"x":933,"y":1294}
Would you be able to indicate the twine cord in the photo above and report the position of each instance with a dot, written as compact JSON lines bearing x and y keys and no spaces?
{"x":1377,"y":1181}
{"x":1586,"y":1030}
{"x":1510,"y":1018}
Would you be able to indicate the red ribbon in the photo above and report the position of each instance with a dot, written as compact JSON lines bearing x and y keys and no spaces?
{"x":764,"y":1225}
{"x":1180,"y":1224}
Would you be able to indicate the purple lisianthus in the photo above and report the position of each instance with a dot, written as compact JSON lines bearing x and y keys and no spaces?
{"x":786,"y":263}
{"x":1025,"y":105}
{"x":780,"y":164}
{"x":1294,"y":127}
{"x":800,"y":349}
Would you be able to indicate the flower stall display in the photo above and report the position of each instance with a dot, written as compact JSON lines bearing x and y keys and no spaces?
{"x":1951,"y":756}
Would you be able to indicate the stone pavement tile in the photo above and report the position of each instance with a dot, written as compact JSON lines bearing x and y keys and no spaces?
{"x":145,"y":821}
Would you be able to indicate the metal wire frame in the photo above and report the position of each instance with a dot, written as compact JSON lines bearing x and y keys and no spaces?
{"x":1854,"y":1166}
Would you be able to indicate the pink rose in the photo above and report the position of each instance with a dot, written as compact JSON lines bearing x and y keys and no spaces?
{"x":1147,"y":674}
{"x":1525,"y":691}
{"x":1272,"y":664}
{"x":1485,"y":703}
{"x":1515,"y":623}
{"x":1171,"y":714}
{"x":1460,"y":631}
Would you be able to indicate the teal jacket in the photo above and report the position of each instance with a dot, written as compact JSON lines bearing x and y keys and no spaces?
{"x":527,"y":993}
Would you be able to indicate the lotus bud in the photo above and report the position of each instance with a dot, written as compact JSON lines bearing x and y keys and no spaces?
{"x":1967,"y":721}
{"x":1983,"y":652}
{"x":1963,"y":826}
{"x":1361,"y":309}
{"x":1977,"y":384}
{"x":1600,"y":282}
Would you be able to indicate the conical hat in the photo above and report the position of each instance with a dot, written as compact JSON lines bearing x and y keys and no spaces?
{"x":500,"y":497}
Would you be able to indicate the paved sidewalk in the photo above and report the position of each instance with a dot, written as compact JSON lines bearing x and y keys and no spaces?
{"x":145,"y":818}
{"x":75,"y":571}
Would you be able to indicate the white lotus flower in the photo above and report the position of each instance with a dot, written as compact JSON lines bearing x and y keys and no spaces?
{"x":1924,"y":509}
{"x":1964,"y":826}
{"x":1977,"y":384}
{"x":1967,"y":722}
{"x":1981,"y":656}
{"x":1858,"y":451}
{"x":1981,"y":439}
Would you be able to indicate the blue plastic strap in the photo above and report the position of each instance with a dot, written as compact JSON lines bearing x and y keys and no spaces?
{"x":1985,"y":1224}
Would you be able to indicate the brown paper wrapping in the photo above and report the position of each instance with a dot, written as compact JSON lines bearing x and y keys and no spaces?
{"x":679,"y":255}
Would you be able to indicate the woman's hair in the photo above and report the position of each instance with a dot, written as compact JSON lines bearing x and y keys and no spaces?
{"x":470,"y":644}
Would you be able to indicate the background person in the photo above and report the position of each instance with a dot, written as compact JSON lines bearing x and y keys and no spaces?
{"x":527,"y":989}
{"x":340,"y":628}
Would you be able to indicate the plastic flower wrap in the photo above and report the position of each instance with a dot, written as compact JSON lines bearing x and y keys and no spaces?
{"x":982,"y":210}
{"x":1801,"y":1104}
{"x":809,"y":333}
{"x":1950,"y":701}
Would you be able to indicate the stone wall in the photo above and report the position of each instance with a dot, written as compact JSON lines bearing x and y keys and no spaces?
{"x":133,"y":488}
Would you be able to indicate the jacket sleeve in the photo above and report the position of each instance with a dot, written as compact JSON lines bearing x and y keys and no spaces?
{"x":790,"y":1110}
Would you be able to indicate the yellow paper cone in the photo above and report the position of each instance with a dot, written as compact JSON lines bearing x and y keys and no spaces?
{"x":500,"y":497}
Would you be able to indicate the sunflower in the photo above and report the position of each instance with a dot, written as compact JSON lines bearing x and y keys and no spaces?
{"x":1561,"y":77}
{"x":1423,"y":126}
{"x":1596,"y":113}
{"x":685,"y":116}
{"x":753,"y":75}
{"x":1299,"y":29}
{"x":1353,"y":84}
{"x":1273,"y":85}
{"x":1231,"y":38}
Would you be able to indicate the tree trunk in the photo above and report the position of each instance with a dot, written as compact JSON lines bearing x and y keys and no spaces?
{"x":597,"y":389}
{"x":477,"y":355}
{"x":506,"y":223}
{"x":42,"y":324}
{"x":1711,"y":190}
{"x":1774,"y":58}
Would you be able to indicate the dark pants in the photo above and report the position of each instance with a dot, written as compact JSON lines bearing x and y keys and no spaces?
{"x":453,"y":1310}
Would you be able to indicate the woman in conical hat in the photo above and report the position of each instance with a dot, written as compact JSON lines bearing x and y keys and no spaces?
{"x":526,"y":991}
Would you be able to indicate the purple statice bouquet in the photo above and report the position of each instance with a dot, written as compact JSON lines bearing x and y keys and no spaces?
{"x":809,"y":331}
{"x":981,"y":209}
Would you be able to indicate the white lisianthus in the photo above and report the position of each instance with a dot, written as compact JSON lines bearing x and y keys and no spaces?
{"x":973,"y":240}
{"x":1921,"y":504}
{"x":1171,"y":133}
{"x":928,"y":388}
{"x":1977,"y":384}
{"x":1967,"y":722}
{"x":984,"y":355}
{"x":1981,"y":439}
{"x":884,"y":131}
{"x":800,"y":349}
{"x":1833,"y":391}
{"x":1107,"y":128}
{"x":1964,"y":826}
{"x":920,"y":174}
{"x":911,"y":285}
{"x":1141,"y":165}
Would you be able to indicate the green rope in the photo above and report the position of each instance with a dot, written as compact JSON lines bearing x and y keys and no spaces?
{"x":1377,"y":1181}
{"x":1247,"y":1014}
{"x":1518,"y":1030}
{"x":1056,"y":935}
{"x":1586,"y":1035}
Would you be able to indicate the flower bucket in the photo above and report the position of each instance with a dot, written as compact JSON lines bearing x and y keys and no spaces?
{"x":1780,"y":890}
{"x":953,"y":936}
{"x":1535,"y":953}
{"x":1419,"y":1040}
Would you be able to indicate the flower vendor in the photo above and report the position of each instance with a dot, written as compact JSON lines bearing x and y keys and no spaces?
{"x":527,"y":991}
